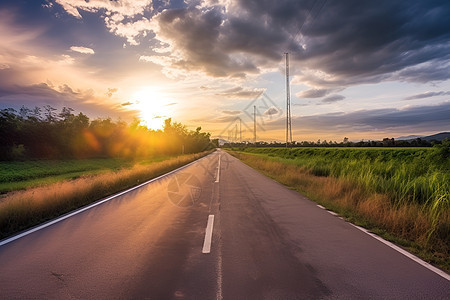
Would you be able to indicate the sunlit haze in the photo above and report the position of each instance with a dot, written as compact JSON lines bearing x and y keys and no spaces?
{"x":358,"y":69}
{"x":153,"y":107}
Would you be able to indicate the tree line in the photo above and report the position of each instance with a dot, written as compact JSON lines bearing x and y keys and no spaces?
{"x":44,"y":133}
{"x":386,"y":142}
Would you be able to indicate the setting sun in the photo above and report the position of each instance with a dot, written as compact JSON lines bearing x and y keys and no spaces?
{"x":154,"y":107}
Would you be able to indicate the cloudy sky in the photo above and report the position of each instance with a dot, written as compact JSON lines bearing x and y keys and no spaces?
{"x":360,"y":69}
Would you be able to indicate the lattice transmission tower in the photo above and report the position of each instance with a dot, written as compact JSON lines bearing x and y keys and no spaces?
{"x":288,"y":105}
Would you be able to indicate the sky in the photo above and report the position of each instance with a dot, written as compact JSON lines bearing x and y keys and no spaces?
{"x":358,"y":69}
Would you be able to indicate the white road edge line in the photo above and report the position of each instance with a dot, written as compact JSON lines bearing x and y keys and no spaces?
{"x":62,"y":218}
{"x":218,"y":170}
{"x":405,"y":253}
{"x":395,"y":247}
{"x":208,"y":235}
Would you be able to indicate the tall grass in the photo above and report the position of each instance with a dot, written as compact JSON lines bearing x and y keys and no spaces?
{"x":404,"y":193}
{"x":23,"y":209}
{"x":407,"y":175}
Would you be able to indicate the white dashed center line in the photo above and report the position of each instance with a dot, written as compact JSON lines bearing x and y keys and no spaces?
{"x":208,"y":235}
{"x":218,"y":171}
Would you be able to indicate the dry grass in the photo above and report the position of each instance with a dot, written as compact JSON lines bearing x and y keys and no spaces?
{"x":23,"y":209}
{"x":412,"y":225}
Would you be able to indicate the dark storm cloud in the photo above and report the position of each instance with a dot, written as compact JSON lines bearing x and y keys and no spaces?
{"x":422,"y":118}
{"x":351,"y":41}
{"x":225,"y":43}
{"x":196,"y":33}
{"x":433,"y":71}
{"x":427,"y":95}
{"x":354,"y":41}
{"x":371,"y":39}
{"x":251,"y":37}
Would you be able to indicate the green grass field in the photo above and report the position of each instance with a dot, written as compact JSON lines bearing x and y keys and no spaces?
{"x":401,"y":193}
{"x":407,"y":174}
{"x":22,"y":209}
{"x":18,"y":175}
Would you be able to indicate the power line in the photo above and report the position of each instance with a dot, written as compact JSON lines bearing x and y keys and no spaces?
{"x":310,"y":15}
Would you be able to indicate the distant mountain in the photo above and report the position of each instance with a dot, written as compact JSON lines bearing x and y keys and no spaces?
{"x":408,"y":137}
{"x":436,"y":137}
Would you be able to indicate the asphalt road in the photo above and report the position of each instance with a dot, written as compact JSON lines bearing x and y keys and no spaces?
{"x":213,"y":230}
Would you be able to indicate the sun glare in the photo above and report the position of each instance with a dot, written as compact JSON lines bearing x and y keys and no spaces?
{"x":154,"y":107}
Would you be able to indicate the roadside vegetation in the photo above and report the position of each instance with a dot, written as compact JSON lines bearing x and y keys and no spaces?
{"x":44,"y":134}
{"x":19,"y":175}
{"x":402,"y":194}
{"x":23,"y":209}
{"x":52,"y":163}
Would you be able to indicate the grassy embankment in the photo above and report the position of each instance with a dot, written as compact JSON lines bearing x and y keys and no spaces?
{"x":94,"y":179}
{"x":20,"y":175}
{"x":400,"y":194}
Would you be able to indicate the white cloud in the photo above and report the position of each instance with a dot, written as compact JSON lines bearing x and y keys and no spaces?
{"x":131,"y":30}
{"x":83,"y":50}
{"x":116,"y":14}
{"x":121,"y":7}
{"x":66,"y":60}
{"x":159,"y":60}
{"x":69,"y":8}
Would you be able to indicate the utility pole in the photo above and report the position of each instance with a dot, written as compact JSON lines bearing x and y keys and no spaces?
{"x":288,"y":105}
{"x":254,"y":124}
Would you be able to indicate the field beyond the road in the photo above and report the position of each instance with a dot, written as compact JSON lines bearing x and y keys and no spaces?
{"x":402,"y":194}
{"x":19,"y":175}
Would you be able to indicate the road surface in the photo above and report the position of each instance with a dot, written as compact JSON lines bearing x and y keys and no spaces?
{"x":215,"y":229}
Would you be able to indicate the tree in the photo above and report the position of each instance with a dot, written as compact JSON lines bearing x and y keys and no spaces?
{"x":387,"y":142}
{"x":36,"y":114}
{"x":9,"y":131}
{"x":50,"y":113}
{"x":24,"y":112}
{"x":66,"y":135}
{"x":66,"y":114}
